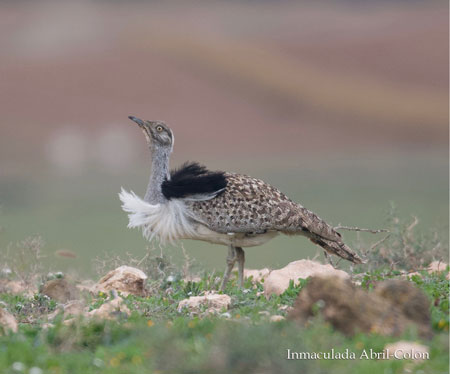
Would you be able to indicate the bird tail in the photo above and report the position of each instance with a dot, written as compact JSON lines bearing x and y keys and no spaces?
{"x":338,"y":248}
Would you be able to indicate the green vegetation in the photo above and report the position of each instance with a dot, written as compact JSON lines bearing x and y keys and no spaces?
{"x":86,"y":218}
{"x":157,"y":338}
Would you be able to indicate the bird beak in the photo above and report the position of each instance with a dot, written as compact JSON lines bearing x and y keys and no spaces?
{"x":137,"y":120}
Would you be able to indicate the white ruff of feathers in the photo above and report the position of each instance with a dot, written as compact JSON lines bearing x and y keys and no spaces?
{"x":167,"y":222}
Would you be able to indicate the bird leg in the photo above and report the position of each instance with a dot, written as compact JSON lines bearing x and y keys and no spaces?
{"x":231,"y":260}
{"x":241,"y":259}
{"x":328,"y":258}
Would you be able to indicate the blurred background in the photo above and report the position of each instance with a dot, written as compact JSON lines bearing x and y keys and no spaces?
{"x":342,"y":105}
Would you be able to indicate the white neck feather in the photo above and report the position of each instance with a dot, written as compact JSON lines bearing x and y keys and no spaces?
{"x":167,"y":222}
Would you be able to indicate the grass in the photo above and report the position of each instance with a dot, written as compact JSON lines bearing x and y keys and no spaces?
{"x":157,"y":338}
{"x":86,"y":219}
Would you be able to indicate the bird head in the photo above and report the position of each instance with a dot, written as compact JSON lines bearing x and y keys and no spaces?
{"x":157,"y":133}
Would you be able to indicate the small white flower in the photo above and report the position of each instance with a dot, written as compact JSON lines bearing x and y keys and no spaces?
{"x":6,"y":272}
{"x":320,"y":303}
{"x":98,"y":362}
{"x":35,"y":370}
{"x":170,"y":278}
{"x":18,"y":366}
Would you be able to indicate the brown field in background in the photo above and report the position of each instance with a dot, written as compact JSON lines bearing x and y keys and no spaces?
{"x":265,"y":78}
{"x":343,"y":105}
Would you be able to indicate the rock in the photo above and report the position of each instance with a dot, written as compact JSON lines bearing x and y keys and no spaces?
{"x":434,"y":267}
{"x":74,"y":308}
{"x":124,"y":279}
{"x":437,"y":266}
{"x":16,"y":287}
{"x":69,"y":321}
{"x":351,"y":309}
{"x":213,"y":303}
{"x":407,"y":350}
{"x":407,"y":275}
{"x":87,"y":286}
{"x":276,"y":318}
{"x":7,"y":322}
{"x":111,"y":309}
{"x":278,"y":280}
{"x":408,"y":299}
{"x":257,"y":274}
{"x":60,"y":290}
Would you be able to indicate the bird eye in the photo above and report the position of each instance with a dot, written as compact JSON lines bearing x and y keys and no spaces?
{"x":159,"y":128}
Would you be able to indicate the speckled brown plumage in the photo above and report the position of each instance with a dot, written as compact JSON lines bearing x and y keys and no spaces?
{"x":222,"y":208}
{"x":249,"y":205}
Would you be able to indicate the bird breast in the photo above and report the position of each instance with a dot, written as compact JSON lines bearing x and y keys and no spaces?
{"x":172,"y":221}
{"x":240,"y":239}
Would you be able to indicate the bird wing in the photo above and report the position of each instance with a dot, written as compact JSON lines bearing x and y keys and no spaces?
{"x":249,"y":205}
{"x":193,"y":182}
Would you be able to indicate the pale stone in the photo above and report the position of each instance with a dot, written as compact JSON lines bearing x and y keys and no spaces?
{"x":124,"y":279}
{"x":73,"y":307}
{"x":86,"y":286}
{"x":407,"y":350}
{"x":17,"y":287}
{"x":257,"y":274}
{"x":7,"y":321}
{"x":212,"y":301}
{"x":278,"y":280}
{"x":434,"y":267}
{"x":411,"y":274}
{"x":276,"y":318}
{"x":437,"y":266}
{"x":69,"y":321}
{"x":109,"y":309}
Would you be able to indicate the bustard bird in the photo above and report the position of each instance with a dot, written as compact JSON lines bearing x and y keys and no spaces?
{"x":219,"y":207}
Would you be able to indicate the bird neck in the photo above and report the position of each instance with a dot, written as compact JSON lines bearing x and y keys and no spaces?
{"x":159,"y":173}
